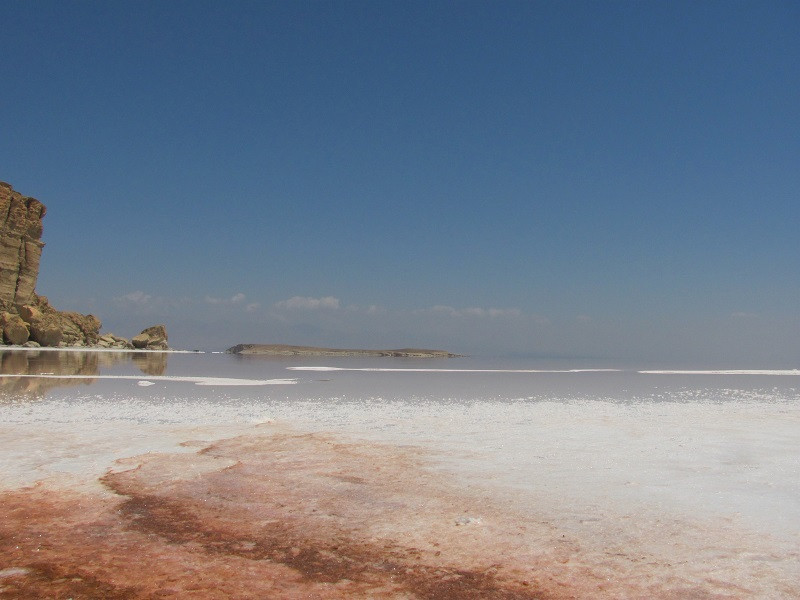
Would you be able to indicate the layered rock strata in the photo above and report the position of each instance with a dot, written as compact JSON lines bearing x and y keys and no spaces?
{"x":20,"y":246}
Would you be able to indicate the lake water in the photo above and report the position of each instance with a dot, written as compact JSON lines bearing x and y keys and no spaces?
{"x":621,"y":481}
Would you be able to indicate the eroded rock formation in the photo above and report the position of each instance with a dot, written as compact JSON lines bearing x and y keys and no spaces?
{"x":152,"y":338}
{"x":27,"y":318}
{"x":51,"y":327}
{"x":20,"y":246}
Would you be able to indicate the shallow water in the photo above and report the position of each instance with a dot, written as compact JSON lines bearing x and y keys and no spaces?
{"x":670,"y":483}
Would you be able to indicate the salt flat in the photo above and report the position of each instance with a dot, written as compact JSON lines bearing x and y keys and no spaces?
{"x":402,"y":484}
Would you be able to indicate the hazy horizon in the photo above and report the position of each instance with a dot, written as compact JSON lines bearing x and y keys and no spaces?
{"x":605,"y":180}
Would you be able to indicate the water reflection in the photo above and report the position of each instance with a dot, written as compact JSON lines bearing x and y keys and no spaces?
{"x":65,"y":363}
{"x":149,"y":363}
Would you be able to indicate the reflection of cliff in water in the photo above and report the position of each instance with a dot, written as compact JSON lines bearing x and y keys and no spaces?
{"x":66,"y":363}
{"x":149,"y":363}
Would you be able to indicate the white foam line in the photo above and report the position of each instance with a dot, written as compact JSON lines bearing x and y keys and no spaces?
{"x":728,"y":372}
{"x":389,"y":370}
{"x":195,"y":380}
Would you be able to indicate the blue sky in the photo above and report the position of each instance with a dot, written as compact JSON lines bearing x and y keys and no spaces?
{"x":579,"y":179}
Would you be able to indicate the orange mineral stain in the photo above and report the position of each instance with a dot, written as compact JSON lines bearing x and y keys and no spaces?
{"x":286,"y":515}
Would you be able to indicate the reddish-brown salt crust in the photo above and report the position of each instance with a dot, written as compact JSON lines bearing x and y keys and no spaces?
{"x":299,"y":516}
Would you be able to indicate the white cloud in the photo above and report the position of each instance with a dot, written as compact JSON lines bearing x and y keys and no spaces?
{"x":438,"y":309}
{"x":476,"y":312}
{"x":505,"y":312}
{"x":235,"y":299}
{"x":374,"y":309}
{"x":307,"y":303}
{"x":252,"y":307}
{"x":137,"y":297}
{"x":138,"y":302}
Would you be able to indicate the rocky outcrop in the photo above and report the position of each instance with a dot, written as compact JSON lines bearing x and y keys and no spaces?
{"x":14,"y":329}
{"x":152,"y":338}
{"x":50,"y":327}
{"x":27,"y":318}
{"x":109,"y":340}
{"x":20,"y":246}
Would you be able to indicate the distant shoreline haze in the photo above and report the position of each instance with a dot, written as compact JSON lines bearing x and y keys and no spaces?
{"x":287,"y":350}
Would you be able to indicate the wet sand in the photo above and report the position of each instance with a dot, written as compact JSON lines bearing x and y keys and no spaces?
{"x":271,"y":512}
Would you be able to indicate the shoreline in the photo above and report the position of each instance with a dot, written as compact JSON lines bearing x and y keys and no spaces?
{"x":312,"y":351}
{"x":334,"y":490}
{"x":95,"y":349}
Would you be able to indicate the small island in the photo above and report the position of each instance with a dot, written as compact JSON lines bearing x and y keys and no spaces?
{"x":285,"y":350}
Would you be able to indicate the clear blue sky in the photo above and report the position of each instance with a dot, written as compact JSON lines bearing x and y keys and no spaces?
{"x":603,"y":179}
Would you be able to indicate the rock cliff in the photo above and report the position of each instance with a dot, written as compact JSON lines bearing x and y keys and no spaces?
{"x":20,"y":246}
{"x":27,"y":318}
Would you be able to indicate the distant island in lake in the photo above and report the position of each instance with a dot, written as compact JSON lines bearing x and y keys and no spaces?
{"x":284,"y":350}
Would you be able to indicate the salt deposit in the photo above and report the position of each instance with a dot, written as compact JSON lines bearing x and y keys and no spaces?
{"x":659,"y":483}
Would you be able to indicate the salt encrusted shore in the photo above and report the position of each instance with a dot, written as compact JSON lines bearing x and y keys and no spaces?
{"x":266,"y":511}
{"x":209,"y":523}
{"x":187,"y":492}
{"x":286,"y":350}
